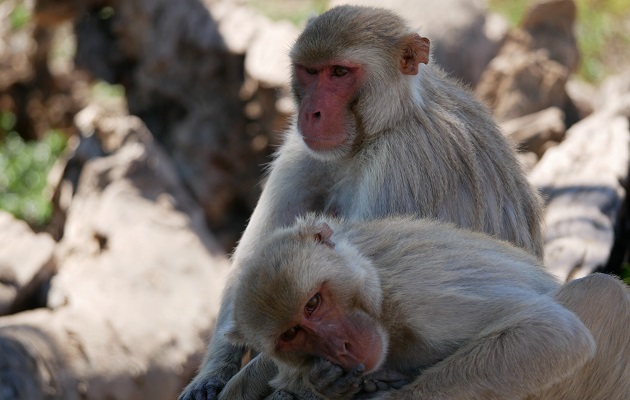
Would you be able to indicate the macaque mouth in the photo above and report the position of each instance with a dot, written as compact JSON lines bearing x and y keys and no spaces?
{"x":323,"y":143}
{"x":368,"y":352}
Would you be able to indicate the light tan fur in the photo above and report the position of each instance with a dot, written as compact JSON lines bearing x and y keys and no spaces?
{"x":469,"y":316}
{"x":416,"y":145}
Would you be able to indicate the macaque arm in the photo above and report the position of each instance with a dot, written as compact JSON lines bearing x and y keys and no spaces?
{"x":222,"y":361}
{"x":293,"y":187}
{"x":534,"y":346}
{"x":252,"y":381}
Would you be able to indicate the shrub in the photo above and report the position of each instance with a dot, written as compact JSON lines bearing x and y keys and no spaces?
{"x":24,"y":168}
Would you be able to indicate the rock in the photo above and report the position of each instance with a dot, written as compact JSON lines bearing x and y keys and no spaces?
{"x":26,"y":263}
{"x":183,"y":81}
{"x":237,"y":24}
{"x":267,"y":60}
{"x":581,"y":180}
{"x":264,"y":43}
{"x":531,"y":132}
{"x":39,"y":98}
{"x":551,"y":23}
{"x":137,"y":291}
{"x":265,"y":46}
{"x":583,"y":95}
{"x":462,"y":42}
{"x":613,"y":95}
{"x":527,"y":160}
{"x":533,"y":66}
{"x":522,"y":81}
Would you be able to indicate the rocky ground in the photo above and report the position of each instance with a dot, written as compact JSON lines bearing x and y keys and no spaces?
{"x":116,"y":297}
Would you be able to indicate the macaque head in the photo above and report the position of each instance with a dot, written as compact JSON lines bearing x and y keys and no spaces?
{"x":354,"y":75}
{"x":302,"y":296}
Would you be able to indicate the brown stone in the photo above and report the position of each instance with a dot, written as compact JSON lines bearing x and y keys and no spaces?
{"x":137,"y":291}
{"x":531,"y":132}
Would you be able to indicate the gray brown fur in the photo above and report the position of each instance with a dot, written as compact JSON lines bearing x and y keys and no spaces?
{"x":423,"y":146}
{"x":419,"y":145}
{"x":472,"y":317}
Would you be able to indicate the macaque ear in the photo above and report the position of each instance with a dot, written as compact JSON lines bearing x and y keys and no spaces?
{"x":321,"y":232}
{"x":415,"y":50}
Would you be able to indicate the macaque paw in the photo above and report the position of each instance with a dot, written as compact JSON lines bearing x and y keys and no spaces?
{"x":332,"y":382}
{"x":207,"y":389}
{"x":380,"y":381}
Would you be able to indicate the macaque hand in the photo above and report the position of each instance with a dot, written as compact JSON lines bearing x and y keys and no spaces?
{"x":381,"y":380}
{"x":203,"y":388}
{"x":332,"y":382}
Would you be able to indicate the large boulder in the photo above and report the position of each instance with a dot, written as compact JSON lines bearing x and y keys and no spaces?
{"x":184,"y":83}
{"x":522,"y":80}
{"x":583,"y":181}
{"x":26,"y":264}
{"x":532,"y":68}
{"x":550,"y":23}
{"x":138,"y":288}
{"x":536,"y":132}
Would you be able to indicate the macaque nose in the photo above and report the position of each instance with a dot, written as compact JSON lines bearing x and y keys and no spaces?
{"x":313,"y":117}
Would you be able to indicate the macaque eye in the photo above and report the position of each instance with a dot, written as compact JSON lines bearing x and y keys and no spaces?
{"x":311,"y":71}
{"x":313,"y":303}
{"x":339,"y":71}
{"x":290,"y":334}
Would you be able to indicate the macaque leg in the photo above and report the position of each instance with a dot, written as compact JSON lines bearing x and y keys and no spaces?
{"x":602,"y":302}
{"x":251,"y":382}
{"x":537,"y":344}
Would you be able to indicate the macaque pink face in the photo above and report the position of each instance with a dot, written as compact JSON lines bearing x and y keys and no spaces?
{"x":323,"y":118}
{"x":323,"y":328}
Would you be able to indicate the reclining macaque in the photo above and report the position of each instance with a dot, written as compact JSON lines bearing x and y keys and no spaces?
{"x":453,"y":313}
{"x":379,"y":131}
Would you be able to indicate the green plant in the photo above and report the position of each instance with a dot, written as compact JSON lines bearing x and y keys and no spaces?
{"x":296,"y":11}
{"x":625,"y":272}
{"x":104,"y":90}
{"x":24,"y":167}
{"x":19,"y":16}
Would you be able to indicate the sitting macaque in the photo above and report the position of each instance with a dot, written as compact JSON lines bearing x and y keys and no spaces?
{"x":450,"y":313}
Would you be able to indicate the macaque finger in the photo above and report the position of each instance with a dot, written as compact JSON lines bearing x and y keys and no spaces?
{"x":384,"y":380}
{"x":333,"y":382}
{"x":325,"y":372}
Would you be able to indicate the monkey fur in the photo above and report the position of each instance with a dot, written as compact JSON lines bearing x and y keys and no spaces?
{"x":379,"y":131}
{"x":465,"y":315}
